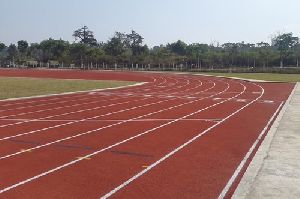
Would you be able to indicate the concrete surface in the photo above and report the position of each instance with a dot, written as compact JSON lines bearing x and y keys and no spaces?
{"x":275,"y":170}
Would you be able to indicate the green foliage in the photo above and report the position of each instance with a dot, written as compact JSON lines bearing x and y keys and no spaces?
{"x":22,"y":46}
{"x":117,"y":45}
{"x":53,"y":49}
{"x":285,"y":44}
{"x":129,"y":50}
{"x":12,"y":51}
{"x":178,"y":48}
{"x":35,"y":52}
{"x":135,"y":43}
{"x":2,"y":46}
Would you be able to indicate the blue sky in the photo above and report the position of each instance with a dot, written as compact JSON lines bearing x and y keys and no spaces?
{"x":158,"y":21}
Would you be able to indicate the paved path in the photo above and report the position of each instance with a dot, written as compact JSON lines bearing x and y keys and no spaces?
{"x":275,"y":169}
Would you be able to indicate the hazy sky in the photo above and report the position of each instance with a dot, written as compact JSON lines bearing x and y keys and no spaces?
{"x":158,"y":21}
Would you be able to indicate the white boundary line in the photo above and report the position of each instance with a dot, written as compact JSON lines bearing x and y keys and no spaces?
{"x":245,"y":159}
{"x":121,"y":186}
{"x":249,"y":176}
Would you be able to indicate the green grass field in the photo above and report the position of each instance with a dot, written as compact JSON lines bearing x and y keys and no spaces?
{"x":262,"y":76}
{"x":25,"y":87}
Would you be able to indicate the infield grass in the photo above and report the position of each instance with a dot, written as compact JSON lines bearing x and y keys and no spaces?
{"x":13,"y":87}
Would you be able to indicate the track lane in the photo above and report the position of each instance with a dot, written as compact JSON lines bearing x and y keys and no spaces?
{"x":165,"y":124}
{"x":81,"y":112}
{"x":17,"y":136}
{"x":34,"y":187}
{"x":109,"y":126}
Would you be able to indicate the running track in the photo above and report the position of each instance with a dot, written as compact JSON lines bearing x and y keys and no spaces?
{"x":176,"y":136}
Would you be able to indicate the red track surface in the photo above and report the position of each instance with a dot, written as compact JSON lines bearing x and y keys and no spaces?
{"x":178,"y":136}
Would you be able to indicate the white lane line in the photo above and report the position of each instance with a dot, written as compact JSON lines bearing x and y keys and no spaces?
{"x":59,"y":107}
{"x":95,"y":130}
{"x":38,"y":111}
{"x":111,"y":146}
{"x":120,"y":97}
{"x":62,"y":96}
{"x":121,"y":186}
{"x":245,"y":159}
{"x":115,"y":120}
{"x":172,"y":88}
{"x":66,"y":95}
{"x":87,"y":98}
{"x":43,"y":110}
{"x":82,"y":120}
{"x":72,"y":112}
{"x":39,"y":130}
{"x":60,"y":102}
{"x":198,"y":85}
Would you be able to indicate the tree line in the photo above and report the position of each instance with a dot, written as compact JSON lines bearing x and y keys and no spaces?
{"x":128,"y":50}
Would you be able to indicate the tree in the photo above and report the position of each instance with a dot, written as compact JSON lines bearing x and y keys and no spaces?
{"x":232,"y":50}
{"x":35,"y":52}
{"x":195,"y":52}
{"x":2,"y":46}
{"x":2,"y":52}
{"x":85,"y":36}
{"x":134,"y":41}
{"x":12,"y":51}
{"x":285,"y":44}
{"x":117,"y":45}
{"x":95,"y":54}
{"x":178,"y":47}
{"x":22,"y":46}
{"x":78,"y":53}
{"x":297,"y":54}
{"x":54,"y":49}
{"x":263,"y":52}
